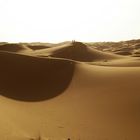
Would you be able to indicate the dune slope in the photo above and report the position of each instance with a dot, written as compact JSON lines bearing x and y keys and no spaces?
{"x":30,"y":78}
{"x":77,"y":51}
{"x":100,"y":103}
{"x":14,"y":47}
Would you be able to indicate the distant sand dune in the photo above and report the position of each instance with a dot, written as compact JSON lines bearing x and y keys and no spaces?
{"x":14,"y":48}
{"x":37,"y":47}
{"x":77,"y":51}
{"x":80,"y":52}
{"x":123,"y":52}
{"x":125,"y":62}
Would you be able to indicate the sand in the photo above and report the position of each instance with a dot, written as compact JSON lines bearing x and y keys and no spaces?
{"x":70,"y":90}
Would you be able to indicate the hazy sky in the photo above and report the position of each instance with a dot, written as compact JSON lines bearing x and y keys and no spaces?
{"x":61,"y":20}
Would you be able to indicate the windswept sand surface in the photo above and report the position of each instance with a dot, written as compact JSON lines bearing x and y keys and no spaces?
{"x":69,"y":90}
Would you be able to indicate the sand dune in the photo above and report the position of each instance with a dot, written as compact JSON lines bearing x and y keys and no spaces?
{"x":70,"y":90}
{"x":77,"y":51}
{"x":47,"y":51}
{"x":125,"y":62}
{"x":123,"y":52}
{"x":30,"y":78}
{"x":39,"y":46}
{"x":100,"y":103}
{"x":80,"y":52}
{"x":14,"y":48}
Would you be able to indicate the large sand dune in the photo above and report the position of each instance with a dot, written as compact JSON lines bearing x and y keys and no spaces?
{"x":77,"y":51}
{"x":70,"y":90}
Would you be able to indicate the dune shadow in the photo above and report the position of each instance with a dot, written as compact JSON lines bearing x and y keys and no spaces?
{"x":11,"y":47}
{"x":37,"y":47}
{"x":29,"y":78}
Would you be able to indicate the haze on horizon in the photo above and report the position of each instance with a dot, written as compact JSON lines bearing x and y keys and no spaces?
{"x":61,"y":20}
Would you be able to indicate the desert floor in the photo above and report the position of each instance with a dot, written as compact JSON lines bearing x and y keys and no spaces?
{"x":70,"y":90}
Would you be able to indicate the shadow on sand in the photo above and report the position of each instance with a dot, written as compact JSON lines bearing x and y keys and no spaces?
{"x":29,"y":78}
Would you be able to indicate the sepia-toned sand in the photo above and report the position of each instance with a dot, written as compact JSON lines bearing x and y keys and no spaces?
{"x":70,"y":91}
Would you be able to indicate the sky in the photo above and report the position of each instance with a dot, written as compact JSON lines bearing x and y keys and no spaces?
{"x":63,"y":20}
